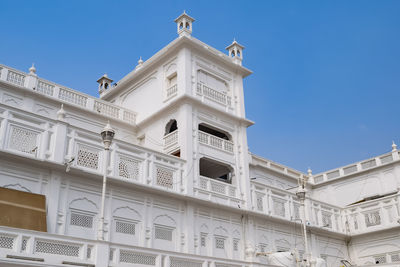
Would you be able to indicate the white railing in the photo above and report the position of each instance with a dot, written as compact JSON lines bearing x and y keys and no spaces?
{"x":215,"y":141}
{"x":357,"y":167}
{"x":33,"y":246}
{"x":171,"y":141}
{"x":215,"y":186}
{"x":159,"y":170}
{"x":373,"y":215}
{"x":66,"y":95}
{"x":72,"y":97}
{"x":285,"y":205}
{"x":45,"y":88}
{"x":172,"y":91}
{"x":106,"y":109}
{"x":15,"y":77}
{"x":212,"y":94}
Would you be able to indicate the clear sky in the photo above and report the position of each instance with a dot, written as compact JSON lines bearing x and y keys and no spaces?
{"x":326,"y":85}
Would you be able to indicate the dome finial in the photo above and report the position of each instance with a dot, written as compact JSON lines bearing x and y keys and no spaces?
{"x":32,"y":70}
{"x":309,"y":171}
{"x":394,"y":147}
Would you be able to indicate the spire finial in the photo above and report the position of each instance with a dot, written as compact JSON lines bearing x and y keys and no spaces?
{"x":394,"y":147}
{"x":140,"y":63}
{"x":309,"y":171}
{"x":32,"y":70}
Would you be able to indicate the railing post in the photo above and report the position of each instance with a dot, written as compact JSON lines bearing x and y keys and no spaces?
{"x":4,"y":73}
{"x":102,"y":255}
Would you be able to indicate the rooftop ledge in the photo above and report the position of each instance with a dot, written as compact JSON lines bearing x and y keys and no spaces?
{"x":30,"y":81}
{"x":218,"y":55}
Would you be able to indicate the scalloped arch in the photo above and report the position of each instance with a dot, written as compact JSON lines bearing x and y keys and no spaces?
{"x":127,"y":212}
{"x":18,"y":187}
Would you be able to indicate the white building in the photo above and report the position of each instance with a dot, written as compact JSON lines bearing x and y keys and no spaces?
{"x":182,"y":188}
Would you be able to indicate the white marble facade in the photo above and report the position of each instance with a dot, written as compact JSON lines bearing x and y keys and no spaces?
{"x":182,"y":189}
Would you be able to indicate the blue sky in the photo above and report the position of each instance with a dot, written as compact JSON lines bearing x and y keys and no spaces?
{"x":326,"y":85}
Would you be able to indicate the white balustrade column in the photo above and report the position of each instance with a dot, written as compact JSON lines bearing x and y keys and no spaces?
{"x":167,"y":261}
{"x":102,"y":254}
{"x":4,"y":74}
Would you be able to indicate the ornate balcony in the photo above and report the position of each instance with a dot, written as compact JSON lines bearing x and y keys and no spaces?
{"x":171,"y":141}
{"x":215,"y":142}
{"x":214,"y":95}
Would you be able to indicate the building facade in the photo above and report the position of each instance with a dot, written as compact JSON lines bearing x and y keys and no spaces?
{"x":182,"y":188}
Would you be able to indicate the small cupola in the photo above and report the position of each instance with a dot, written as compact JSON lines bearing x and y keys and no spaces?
{"x":104,"y":83}
{"x":184,"y":24}
{"x":235,"y":51}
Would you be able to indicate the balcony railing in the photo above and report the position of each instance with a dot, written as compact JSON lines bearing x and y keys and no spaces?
{"x":171,"y":141}
{"x":373,"y":215}
{"x":285,"y":205}
{"x":357,"y":167}
{"x":215,"y":142}
{"x":19,"y":246}
{"x":66,"y":95}
{"x":172,"y":91}
{"x":214,"y":95}
{"x":217,"y":191}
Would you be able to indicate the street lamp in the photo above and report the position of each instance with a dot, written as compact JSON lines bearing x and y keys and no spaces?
{"x":301,"y":194}
{"x":107,"y":135}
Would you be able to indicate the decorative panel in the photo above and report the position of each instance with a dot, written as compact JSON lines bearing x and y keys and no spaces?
{"x":23,"y":140}
{"x":88,"y":157}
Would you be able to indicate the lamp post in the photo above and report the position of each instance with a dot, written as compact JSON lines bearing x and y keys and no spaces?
{"x":107,"y":135}
{"x":301,"y":194}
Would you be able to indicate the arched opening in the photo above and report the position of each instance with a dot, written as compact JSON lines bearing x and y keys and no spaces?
{"x":233,"y":53}
{"x":214,"y":131}
{"x":181,"y":26}
{"x":216,"y":170}
{"x":171,"y":126}
{"x":105,"y":85}
{"x":187,"y":26}
{"x":238,"y":53}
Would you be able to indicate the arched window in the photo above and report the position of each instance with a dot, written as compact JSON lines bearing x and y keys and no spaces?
{"x":171,"y":126}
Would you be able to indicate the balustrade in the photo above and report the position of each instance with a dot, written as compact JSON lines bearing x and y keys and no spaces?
{"x":215,"y":142}
{"x":171,"y":141}
{"x":214,"y":187}
{"x":357,"y":167}
{"x":373,"y":215}
{"x":23,"y":246}
{"x":172,"y":91}
{"x":66,"y":95}
{"x":212,"y":94}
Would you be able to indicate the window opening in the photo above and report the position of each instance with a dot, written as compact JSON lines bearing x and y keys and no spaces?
{"x":213,"y":131}
{"x":215,"y":170}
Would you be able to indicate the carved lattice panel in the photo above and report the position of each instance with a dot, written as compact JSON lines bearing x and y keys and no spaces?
{"x":164,"y":177}
{"x":163,"y":233}
{"x":326,"y":219}
{"x":6,"y":242}
{"x":235,"y":244}
{"x":279,"y":207}
{"x":128,"y":168}
{"x":88,"y":157}
{"x":50,"y":247}
{"x":81,"y":220}
{"x":372,"y":218}
{"x":260,"y":202}
{"x":23,"y":140}
{"x":220,"y":242}
{"x":136,"y":257}
{"x":179,"y":262}
{"x":380,"y":259}
{"x":125,"y":228}
{"x":296,"y":211}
